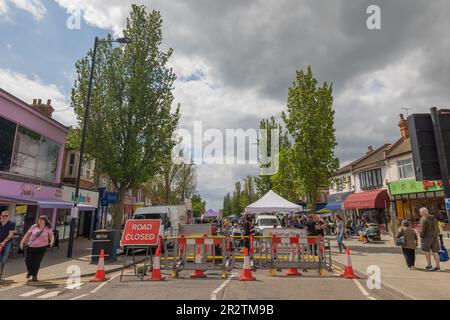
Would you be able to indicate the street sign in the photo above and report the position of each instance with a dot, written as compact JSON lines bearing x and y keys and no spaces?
{"x":141,"y":233}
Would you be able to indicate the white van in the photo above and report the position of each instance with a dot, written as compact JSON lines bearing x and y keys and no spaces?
{"x":266,"y":222}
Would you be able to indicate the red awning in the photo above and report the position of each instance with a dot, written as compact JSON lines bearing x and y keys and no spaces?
{"x":375,"y":199}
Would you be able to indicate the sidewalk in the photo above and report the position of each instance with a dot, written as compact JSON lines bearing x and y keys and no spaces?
{"x":55,"y":264}
{"x":412,"y":284}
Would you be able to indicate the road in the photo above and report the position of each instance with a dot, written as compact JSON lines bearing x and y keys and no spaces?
{"x":308,"y":286}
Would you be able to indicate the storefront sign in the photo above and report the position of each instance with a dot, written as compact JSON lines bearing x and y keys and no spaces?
{"x":413,"y":186}
{"x":21,"y":209}
{"x":26,"y":191}
{"x":85,"y":196}
{"x":141,"y":233}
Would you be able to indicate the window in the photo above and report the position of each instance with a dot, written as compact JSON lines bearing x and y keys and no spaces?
{"x":371,"y":179}
{"x":104,"y":183}
{"x":7,"y":134}
{"x":34,"y":155}
{"x":72,"y":164}
{"x":405,"y":169}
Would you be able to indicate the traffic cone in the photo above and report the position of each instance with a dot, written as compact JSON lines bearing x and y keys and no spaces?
{"x":247,"y":269}
{"x":348,"y":271}
{"x":293,"y":271}
{"x":156,"y":272}
{"x":198,"y":273}
{"x":100,"y":275}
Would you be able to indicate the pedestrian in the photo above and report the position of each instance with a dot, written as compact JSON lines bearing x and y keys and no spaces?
{"x":38,"y":238}
{"x":409,"y":243}
{"x":340,"y":233}
{"x":429,"y":238}
{"x":311,"y":231}
{"x":7,"y":229}
{"x":440,"y":224}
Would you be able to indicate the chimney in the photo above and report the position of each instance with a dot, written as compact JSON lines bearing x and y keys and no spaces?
{"x":369,"y":149}
{"x":403,"y":124}
{"x":45,"y":109}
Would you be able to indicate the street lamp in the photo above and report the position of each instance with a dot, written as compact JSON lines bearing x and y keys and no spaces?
{"x":74,"y":213}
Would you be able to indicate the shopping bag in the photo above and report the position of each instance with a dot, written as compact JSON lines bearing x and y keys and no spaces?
{"x":443,"y":254}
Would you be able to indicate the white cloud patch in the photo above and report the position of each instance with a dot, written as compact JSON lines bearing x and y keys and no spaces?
{"x":28,"y":89}
{"x":34,"y":7}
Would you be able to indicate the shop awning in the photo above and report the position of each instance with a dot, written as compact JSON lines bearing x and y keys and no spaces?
{"x":375,"y":199}
{"x":41,"y":202}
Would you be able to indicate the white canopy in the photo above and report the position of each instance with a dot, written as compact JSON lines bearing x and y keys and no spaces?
{"x":272,"y":203}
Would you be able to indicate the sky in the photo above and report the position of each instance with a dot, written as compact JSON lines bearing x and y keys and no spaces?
{"x":235,"y":61}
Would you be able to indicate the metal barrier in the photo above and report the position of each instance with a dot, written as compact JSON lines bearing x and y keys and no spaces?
{"x":220,"y":253}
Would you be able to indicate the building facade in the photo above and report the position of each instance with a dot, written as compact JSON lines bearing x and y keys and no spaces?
{"x":31,"y":158}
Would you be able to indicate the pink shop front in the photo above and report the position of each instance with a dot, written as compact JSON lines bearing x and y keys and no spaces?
{"x":27,"y":201}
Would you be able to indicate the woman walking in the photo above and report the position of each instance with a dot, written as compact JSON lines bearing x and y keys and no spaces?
{"x":37,"y":239}
{"x":340,"y":233}
{"x":409,"y":243}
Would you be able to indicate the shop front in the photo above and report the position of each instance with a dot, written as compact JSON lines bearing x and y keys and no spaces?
{"x":335,"y":203}
{"x":26,"y":202}
{"x":369,"y":205}
{"x":87,"y":209}
{"x":408,"y":196}
{"x":128,"y":207}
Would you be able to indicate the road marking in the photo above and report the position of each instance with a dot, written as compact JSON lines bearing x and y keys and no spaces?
{"x":32,"y":293}
{"x":50,"y":295}
{"x":222,"y":286}
{"x":79,"y":297}
{"x":364,"y":291}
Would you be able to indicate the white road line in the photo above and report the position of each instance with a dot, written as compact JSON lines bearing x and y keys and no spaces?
{"x":222,"y":286}
{"x":79,"y":297}
{"x":364,"y":291}
{"x":50,"y":295}
{"x":104,"y":284}
{"x":32,"y":293}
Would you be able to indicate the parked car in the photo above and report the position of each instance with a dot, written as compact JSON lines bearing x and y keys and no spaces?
{"x":266,"y":222}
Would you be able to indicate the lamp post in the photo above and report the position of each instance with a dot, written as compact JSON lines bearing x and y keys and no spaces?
{"x":74,"y":213}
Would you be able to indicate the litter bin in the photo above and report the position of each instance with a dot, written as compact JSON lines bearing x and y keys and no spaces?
{"x":109,"y":241}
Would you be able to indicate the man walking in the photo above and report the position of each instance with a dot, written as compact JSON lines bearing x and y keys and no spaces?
{"x":7,"y":229}
{"x":429,"y":238}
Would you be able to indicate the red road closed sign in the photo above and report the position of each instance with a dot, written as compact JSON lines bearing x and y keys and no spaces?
{"x":141,"y":233}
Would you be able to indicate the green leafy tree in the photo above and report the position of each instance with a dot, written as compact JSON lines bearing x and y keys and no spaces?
{"x":263,"y":183}
{"x":285,"y":182}
{"x":198,"y":204}
{"x":131,"y":124}
{"x":310,"y":122}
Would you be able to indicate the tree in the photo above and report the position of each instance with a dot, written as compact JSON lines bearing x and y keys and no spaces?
{"x":131,"y":124}
{"x":310,"y":120}
{"x":198,"y":204}
{"x":263,"y":183}
{"x":285,"y":182}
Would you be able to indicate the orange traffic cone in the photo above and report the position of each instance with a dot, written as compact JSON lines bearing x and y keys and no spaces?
{"x":293,"y":271}
{"x":100,"y":275}
{"x":247,"y":269}
{"x":198,"y":273}
{"x":348,"y":271}
{"x":156,"y":272}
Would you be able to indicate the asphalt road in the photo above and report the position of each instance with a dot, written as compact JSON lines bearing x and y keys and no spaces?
{"x":308,"y":286}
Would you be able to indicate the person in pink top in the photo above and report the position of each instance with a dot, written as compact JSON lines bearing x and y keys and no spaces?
{"x":38,"y":238}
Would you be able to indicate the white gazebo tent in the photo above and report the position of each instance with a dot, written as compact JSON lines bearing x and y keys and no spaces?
{"x":272,"y":203}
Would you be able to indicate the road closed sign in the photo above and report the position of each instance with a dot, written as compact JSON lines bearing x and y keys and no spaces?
{"x":141,"y":233}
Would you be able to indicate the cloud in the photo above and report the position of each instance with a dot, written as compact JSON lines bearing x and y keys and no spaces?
{"x":236,"y":59}
{"x":34,"y":7}
{"x":15,"y":83}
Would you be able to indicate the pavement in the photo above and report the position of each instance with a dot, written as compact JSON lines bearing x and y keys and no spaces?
{"x":411,"y":284}
{"x":56,"y":265}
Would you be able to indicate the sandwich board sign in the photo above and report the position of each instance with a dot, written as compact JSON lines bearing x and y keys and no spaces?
{"x":141,"y":233}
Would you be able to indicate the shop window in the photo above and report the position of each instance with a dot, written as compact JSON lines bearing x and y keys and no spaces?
{"x":71,"y":164}
{"x":34,"y":155}
{"x":405,"y":169}
{"x":7,"y":134}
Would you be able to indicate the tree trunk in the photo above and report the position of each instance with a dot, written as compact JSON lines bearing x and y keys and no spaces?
{"x":119,"y":210}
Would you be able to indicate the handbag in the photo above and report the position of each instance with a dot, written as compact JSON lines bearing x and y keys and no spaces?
{"x":443,"y":254}
{"x":27,"y":245}
{"x":401,"y":240}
